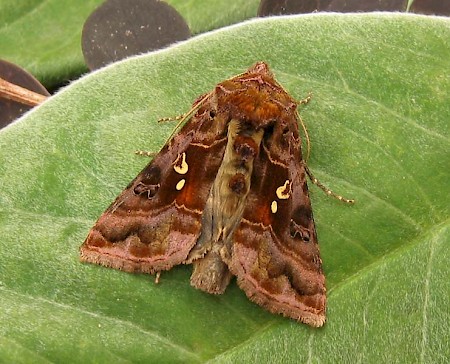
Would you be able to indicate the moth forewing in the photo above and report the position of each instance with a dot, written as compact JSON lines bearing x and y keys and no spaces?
{"x":154,"y":223}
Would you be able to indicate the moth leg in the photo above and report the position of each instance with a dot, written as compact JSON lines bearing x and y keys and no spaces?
{"x":171,"y":118}
{"x":145,"y":153}
{"x":306,"y":99}
{"x":157,"y":276}
{"x":197,"y":104}
{"x":325,"y":189}
{"x":182,"y":118}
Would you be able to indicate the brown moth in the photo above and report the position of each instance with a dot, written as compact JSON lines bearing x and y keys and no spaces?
{"x":228,"y":195}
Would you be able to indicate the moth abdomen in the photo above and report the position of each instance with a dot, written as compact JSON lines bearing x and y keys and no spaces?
{"x":210,"y":273}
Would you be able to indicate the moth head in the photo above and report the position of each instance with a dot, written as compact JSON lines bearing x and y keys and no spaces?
{"x":261,"y":68}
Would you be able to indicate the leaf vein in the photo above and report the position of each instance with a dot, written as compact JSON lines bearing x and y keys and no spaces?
{"x":135,"y":327}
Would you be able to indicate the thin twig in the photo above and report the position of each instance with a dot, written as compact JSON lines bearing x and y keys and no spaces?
{"x":19,"y":94}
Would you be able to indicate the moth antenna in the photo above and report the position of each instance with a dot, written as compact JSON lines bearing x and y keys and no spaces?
{"x":306,"y":99}
{"x":308,"y":142}
{"x":182,"y":118}
{"x":325,"y":189}
{"x":170,"y":118}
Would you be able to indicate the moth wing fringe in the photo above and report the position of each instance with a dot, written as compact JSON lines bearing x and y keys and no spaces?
{"x":306,"y":317}
{"x":121,"y":264}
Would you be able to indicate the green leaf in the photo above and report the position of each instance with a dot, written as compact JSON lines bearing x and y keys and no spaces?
{"x":379,"y":128}
{"x":44,"y":37}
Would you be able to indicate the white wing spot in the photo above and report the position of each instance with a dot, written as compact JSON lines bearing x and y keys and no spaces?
{"x":180,"y":184}
{"x":284,"y":192}
{"x":274,"y":207}
{"x":180,"y":166}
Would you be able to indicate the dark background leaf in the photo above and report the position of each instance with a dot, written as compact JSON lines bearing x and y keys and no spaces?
{"x":44,"y":37}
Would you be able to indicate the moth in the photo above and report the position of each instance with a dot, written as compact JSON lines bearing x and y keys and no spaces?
{"x":227,"y":194}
